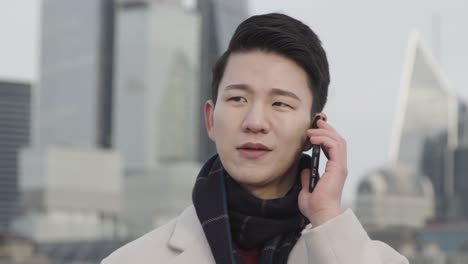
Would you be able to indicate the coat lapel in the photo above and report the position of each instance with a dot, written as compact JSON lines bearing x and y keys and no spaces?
{"x":189,"y":239}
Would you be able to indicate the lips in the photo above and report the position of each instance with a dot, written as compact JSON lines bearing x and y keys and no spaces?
{"x":253,"y":150}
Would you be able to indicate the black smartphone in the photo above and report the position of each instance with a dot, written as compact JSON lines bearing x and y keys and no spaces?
{"x":314,"y":166}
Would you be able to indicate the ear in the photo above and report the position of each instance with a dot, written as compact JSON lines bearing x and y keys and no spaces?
{"x":208,"y":110}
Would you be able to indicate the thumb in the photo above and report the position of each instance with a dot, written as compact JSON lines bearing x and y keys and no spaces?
{"x":305,"y":179}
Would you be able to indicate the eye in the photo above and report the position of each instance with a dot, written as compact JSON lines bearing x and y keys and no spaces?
{"x":281,"y":104}
{"x":237,"y":99}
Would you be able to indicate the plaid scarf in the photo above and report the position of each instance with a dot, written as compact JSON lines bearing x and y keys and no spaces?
{"x":231,"y":217}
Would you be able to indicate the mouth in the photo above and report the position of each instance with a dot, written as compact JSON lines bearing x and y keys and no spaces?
{"x":253,"y":150}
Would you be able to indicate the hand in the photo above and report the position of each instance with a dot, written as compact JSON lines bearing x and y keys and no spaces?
{"x":324,"y":202}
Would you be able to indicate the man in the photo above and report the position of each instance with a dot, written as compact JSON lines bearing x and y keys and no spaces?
{"x":251,"y":202}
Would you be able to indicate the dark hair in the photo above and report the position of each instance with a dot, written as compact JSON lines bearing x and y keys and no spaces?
{"x":286,"y":36}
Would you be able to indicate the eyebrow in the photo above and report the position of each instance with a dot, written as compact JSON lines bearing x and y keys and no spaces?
{"x":242,"y":87}
{"x":274,"y":91}
{"x":277,"y":91}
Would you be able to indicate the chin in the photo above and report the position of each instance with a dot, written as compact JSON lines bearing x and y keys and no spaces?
{"x":257,"y":181}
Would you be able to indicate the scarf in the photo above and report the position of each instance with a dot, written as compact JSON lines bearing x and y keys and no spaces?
{"x":233,"y":218}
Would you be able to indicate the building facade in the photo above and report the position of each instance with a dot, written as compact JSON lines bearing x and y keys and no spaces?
{"x":394,"y":196}
{"x":73,"y":104}
{"x":430,"y":130}
{"x":156,"y":84}
{"x":156,"y":114}
{"x":15,"y":113}
{"x":69,"y":194}
{"x":70,"y":180}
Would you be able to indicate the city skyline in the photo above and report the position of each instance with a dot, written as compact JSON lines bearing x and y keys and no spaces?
{"x":375,"y":52}
{"x":117,"y":136}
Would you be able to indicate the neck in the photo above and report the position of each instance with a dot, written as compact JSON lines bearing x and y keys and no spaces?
{"x":275,"y":189}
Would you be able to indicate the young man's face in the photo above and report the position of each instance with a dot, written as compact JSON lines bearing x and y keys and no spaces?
{"x":260,"y":119}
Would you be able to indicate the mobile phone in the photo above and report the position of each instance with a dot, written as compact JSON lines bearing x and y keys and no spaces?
{"x":314,"y":166}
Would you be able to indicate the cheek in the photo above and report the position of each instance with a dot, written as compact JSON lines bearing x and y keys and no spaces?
{"x":296,"y":139}
{"x":224,"y":122}
{"x":293,"y":131}
{"x":218,"y":120}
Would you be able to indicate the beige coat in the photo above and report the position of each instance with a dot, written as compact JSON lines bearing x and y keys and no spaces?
{"x":338,"y":241}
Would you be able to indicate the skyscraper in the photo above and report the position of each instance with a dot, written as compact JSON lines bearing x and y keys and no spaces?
{"x":426,"y":122}
{"x":461,"y":160}
{"x":429,"y":135}
{"x":15,"y":104}
{"x":425,"y":112}
{"x":156,"y":84}
{"x":428,"y":112}
{"x":446,"y":166}
{"x":69,"y":179}
{"x":74,"y":102}
{"x":156,"y":114}
{"x":219,"y":20}
{"x":427,"y":107}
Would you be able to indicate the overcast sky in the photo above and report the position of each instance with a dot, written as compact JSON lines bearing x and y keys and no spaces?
{"x":19,"y":29}
{"x":365,"y":40}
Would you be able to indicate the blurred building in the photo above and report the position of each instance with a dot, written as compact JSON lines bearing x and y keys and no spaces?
{"x":73,"y":101}
{"x":417,"y":202}
{"x":153,"y":200}
{"x":430,"y":136}
{"x":430,"y":132}
{"x":461,"y":181}
{"x":156,"y":84}
{"x":427,"y":107}
{"x":452,"y":196}
{"x":69,"y":194}
{"x":399,"y":193}
{"x":79,"y":252}
{"x":15,"y":104}
{"x":439,"y":159}
{"x":219,"y":20}
{"x":433,"y":244}
{"x":156,"y":112}
{"x":70,"y":182}
{"x":394,"y":196}
{"x":20,"y":250}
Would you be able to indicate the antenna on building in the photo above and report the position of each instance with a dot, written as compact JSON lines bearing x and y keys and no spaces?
{"x":436,"y":28}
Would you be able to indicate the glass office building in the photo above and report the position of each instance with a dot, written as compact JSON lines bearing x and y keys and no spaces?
{"x":75,"y":88}
{"x":156,"y":114}
{"x":69,"y":179}
{"x":426,"y":108}
{"x":15,"y":104}
{"x":429,"y":138}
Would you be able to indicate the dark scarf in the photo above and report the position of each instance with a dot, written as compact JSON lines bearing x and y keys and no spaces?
{"x":232,"y":218}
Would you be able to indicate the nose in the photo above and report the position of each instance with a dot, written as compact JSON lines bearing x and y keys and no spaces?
{"x":256,"y":120}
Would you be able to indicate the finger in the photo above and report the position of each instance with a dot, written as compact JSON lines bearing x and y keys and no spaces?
{"x":305,"y":179}
{"x":324,"y":132}
{"x":324,"y":141}
{"x":331,"y":147}
{"x":325,"y":125}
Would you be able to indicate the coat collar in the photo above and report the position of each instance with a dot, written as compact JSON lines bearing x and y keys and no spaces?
{"x":188,"y":238}
{"x":187,"y":230}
